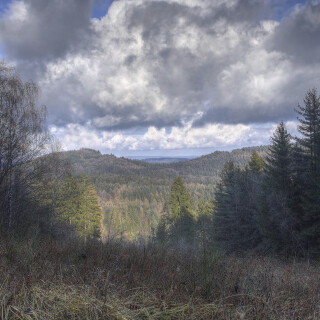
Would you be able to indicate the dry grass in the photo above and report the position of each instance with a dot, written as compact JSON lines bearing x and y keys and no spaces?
{"x":47,"y":279}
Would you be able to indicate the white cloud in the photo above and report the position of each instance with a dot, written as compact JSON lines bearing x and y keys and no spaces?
{"x":215,"y":136}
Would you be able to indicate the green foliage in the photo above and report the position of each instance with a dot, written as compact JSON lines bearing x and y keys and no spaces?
{"x":256,"y":163}
{"x":275,"y":205}
{"x":308,"y":171}
{"x":78,"y":205}
{"x":309,"y":127}
{"x":279,"y":162}
{"x":134,"y":193}
{"x":180,"y":200}
{"x":183,"y":228}
{"x":277,"y":220}
{"x":162,"y":232}
{"x":179,"y":223}
{"x":235,"y":220}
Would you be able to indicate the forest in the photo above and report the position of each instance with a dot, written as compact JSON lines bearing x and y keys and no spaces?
{"x":134,"y":194}
{"x":230,"y":235}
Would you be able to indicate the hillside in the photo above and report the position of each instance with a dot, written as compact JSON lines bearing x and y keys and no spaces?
{"x":134,"y":193}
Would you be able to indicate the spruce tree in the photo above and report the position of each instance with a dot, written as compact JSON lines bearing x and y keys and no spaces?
{"x":279,"y":160}
{"x":90,"y":212}
{"x":68,"y":201}
{"x":278,"y":222}
{"x":235,"y":220}
{"x":181,"y":219}
{"x":78,"y":206}
{"x":179,"y":200}
{"x":252,"y":178}
{"x":309,"y":128}
{"x":256,"y":163}
{"x":226,"y":220}
{"x":183,"y":227}
{"x":205,"y":216}
{"x":161,"y":231}
{"x":308,"y":170}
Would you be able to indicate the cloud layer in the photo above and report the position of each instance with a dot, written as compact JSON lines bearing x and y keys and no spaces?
{"x":181,"y":71}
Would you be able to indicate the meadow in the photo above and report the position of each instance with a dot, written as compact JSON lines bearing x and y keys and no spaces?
{"x":44,"y":278}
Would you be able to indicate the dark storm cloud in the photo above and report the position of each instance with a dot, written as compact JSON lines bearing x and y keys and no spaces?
{"x":259,"y":114}
{"x":164,"y":63}
{"x":156,"y":16}
{"x":44,"y":30}
{"x":298,"y":35}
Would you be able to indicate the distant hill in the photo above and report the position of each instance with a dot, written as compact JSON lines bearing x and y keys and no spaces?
{"x":133,"y":192}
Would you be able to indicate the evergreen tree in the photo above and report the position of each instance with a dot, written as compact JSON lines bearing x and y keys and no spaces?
{"x":236,"y":210}
{"x":161,"y":232}
{"x":205,"y":216}
{"x":78,"y":205}
{"x":309,"y":128}
{"x":252,"y":178}
{"x":88,"y":220}
{"x":277,"y":225}
{"x":68,"y":201}
{"x":226,"y":220}
{"x":183,"y":227}
{"x":256,"y":163}
{"x":180,"y":199}
{"x":279,"y":160}
{"x":308,"y":170}
{"x":179,"y":223}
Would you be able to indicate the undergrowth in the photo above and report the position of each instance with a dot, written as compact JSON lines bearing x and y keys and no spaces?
{"x":55,"y":279}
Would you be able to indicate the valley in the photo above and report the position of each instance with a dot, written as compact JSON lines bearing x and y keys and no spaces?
{"x":134,"y":193}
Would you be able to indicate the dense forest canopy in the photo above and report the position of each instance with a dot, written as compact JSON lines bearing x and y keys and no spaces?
{"x":134,"y":194}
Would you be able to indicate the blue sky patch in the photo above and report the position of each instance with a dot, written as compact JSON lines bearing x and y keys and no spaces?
{"x":100,"y":8}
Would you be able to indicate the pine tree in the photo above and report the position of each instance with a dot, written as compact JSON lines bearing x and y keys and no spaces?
{"x":279,"y":160}
{"x":235,"y":220}
{"x":179,"y":200}
{"x":226,"y":220}
{"x":252,"y":178}
{"x":278,"y":222}
{"x":68,"y":201}
{"x":90,"y":212}
{"x":78,"y":205}
{"x":161,"y":231}
{"x":308,"y":170}
{"x":181,"y":219}
{"x":256,"y":163}
{"x":310,"y":130}
{"x":205,"y":216}
{"x":183,"y":227}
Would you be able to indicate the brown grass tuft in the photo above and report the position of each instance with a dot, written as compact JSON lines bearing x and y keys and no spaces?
{"x":49,"y":279}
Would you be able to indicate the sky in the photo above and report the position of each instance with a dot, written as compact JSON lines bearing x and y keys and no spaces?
{"x":165,"y":77}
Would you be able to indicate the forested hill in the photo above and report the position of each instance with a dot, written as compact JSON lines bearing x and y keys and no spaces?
{"x":134,"y":193}
{"x":93,"y":163}
{"x":210,"y":165}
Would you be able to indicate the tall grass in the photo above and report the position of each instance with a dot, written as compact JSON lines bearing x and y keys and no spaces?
{"x":56,"y":279}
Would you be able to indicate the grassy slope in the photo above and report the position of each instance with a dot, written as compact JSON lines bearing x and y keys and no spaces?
{"x":49,"y":279}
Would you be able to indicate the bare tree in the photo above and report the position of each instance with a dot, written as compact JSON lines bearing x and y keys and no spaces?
{"x":23,"y":136}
